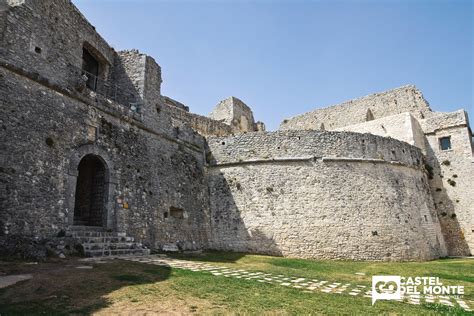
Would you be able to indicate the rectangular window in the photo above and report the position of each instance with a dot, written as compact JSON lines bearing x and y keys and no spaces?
{"x":90,"y":66}
{"x":176,"y":212}
{"x":445,"y":143}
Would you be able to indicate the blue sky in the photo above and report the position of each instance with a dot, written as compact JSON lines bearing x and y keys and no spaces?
{"x":284,"y":58}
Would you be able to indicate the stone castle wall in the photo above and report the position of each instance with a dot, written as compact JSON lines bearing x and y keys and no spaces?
{"x":322,"y":195}
{"x":312,"y":194}
{"x":43,"y":37}
{"x":48,"y":125}
{"x":235,"y":113}
{"x":46,"y":136}
{"x":396,"y":101}
{"x":451,"y":178}
{"x":403,"y":127}
{"x":202,"y":124}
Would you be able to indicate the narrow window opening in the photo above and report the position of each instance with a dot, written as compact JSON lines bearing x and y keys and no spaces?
{"x":176,"y":212}
{"x":90,"y":67}
{"x":445,"y":143}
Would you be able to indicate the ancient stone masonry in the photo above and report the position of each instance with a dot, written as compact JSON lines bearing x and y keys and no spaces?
{"x":50,"y":125}
{"x":90,"y":147}
{"x":237,"y":114}
{"x":374,"y":106}
{"x":444,"y":138}
{"x":322,"y":195}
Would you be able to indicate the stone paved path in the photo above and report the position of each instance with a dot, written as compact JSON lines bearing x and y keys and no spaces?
{"x":12,"y":279}
{"x":305,"y":284}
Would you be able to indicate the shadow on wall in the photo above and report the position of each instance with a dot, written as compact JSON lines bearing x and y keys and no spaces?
{"x":127,"y":91}
{"x":57,"y":288}
{"x":451,"y":229}
{"x":228,"y":230}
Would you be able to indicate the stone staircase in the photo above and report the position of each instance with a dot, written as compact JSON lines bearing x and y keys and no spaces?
{"x":98,"y":242}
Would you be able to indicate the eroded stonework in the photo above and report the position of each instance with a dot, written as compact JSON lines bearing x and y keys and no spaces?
{"x":376,"y":178}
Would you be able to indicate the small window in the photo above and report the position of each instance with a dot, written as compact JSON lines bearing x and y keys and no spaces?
{"x":445,"y":143}
{"x":176,"y":212}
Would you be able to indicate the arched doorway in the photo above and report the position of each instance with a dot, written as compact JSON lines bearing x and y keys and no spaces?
{"x":91,"y":190}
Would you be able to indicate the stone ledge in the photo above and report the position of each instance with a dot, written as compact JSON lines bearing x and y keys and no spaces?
{"x":311,"y":159}
{"x":350,"y":159}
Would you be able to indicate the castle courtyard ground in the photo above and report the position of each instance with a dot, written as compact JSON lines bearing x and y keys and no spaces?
{"x":221,"y":282}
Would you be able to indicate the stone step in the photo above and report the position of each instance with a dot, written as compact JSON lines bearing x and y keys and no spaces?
{"x":93,"y":240}
{"x":79,"y":234}
{"x":118,"y":252}
{"x":76,"y":228}
{"x":112,"y":246}
{"x":97,"y":242}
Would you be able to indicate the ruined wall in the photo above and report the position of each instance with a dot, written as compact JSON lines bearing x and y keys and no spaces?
{"x":235,"y":113}
{"x":128,"y":74}
{"x":403,"y":127}
{"x":324,"y":195}
{"x":171,"y":102}
{"x":396,"y":101}
{"x":203,"y":125}
{"x":152,"y":80}
{"x":451,"y":178}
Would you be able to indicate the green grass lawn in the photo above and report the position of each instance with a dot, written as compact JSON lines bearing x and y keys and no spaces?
{"x":127,"y":287}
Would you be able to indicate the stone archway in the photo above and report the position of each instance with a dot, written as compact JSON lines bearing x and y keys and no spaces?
{"x":91,"y":192}
{"x":77,"y":156}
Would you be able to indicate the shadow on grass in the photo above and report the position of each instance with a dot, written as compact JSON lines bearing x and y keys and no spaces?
{"x":61,"y":288}
{"x":210,"y":256}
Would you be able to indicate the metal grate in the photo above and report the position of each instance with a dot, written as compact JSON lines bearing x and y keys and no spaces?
{"x":104,"y":88}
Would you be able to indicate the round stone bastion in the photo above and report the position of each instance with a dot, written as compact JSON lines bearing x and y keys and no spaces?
{"x":321,"y":195}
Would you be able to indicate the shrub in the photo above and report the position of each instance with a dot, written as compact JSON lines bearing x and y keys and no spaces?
{"x":429,"y":169}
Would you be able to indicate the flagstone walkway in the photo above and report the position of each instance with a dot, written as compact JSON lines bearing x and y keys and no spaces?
{"x":305,"y":284}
